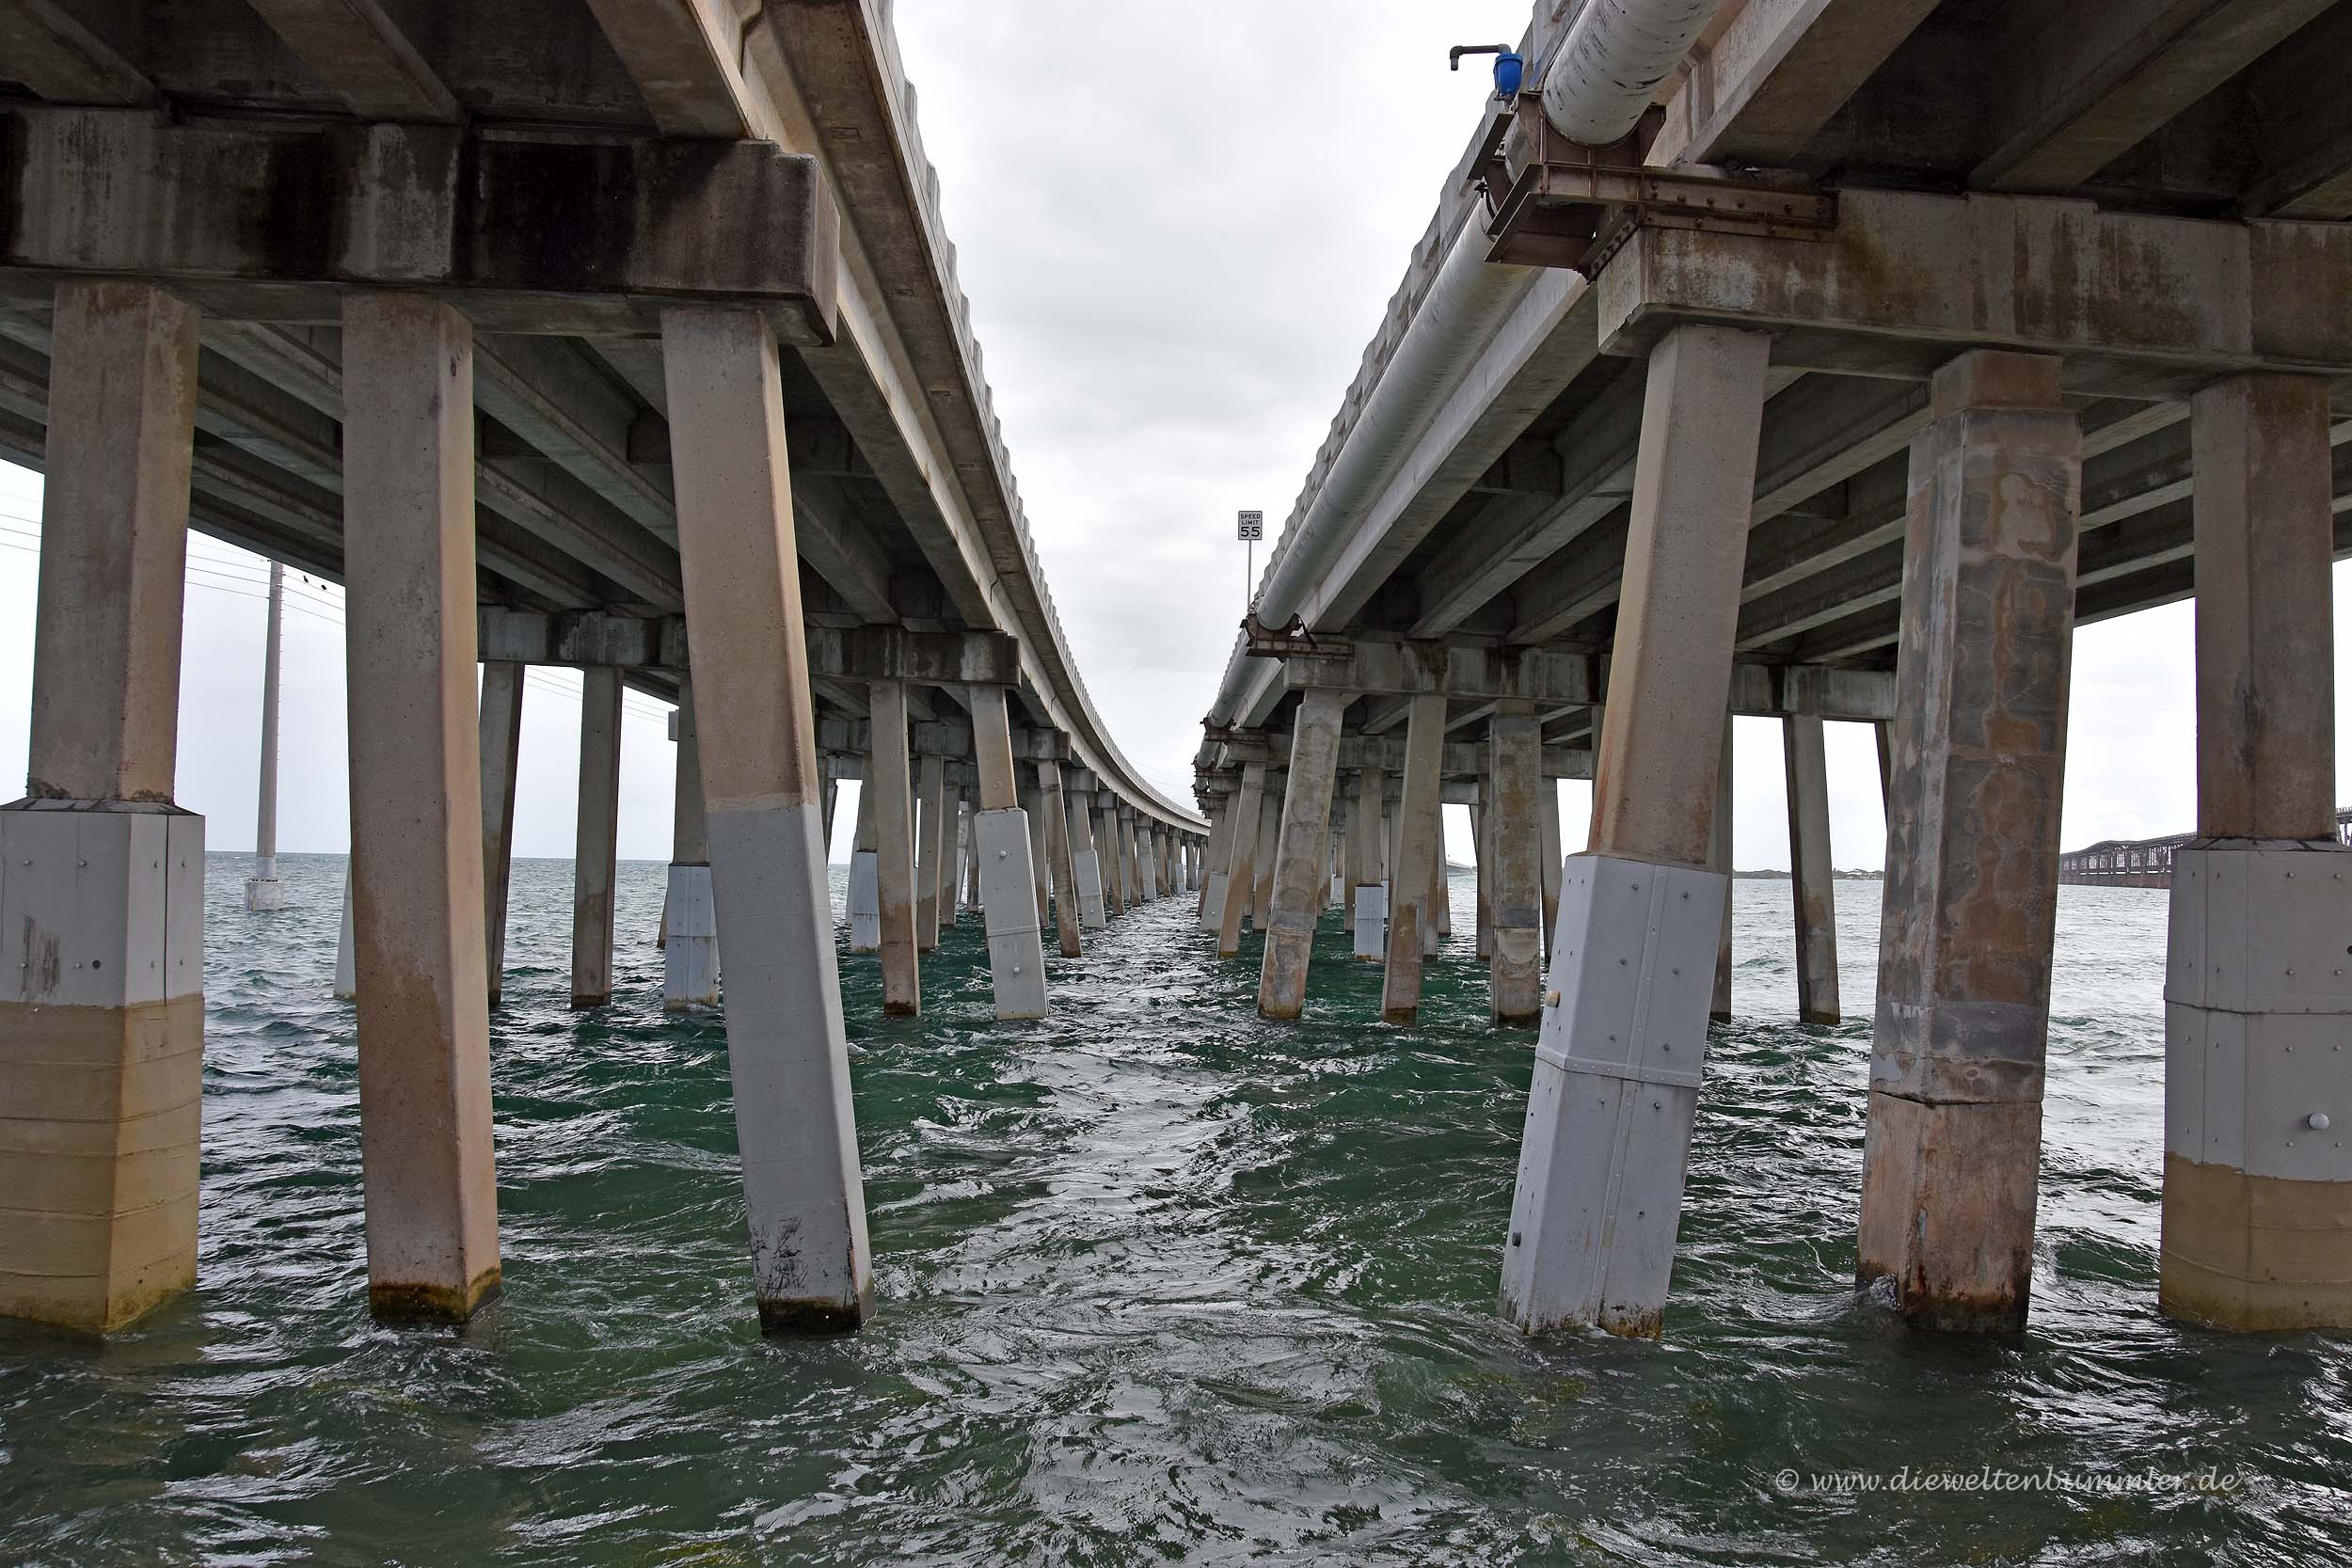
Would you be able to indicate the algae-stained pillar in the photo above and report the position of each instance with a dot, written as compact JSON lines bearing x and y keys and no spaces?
{"x":1305,"y":830}
{"x":1812,"y":885}
{"x":101,"y":877}
{"x":1616,"y":1075}
{"x":1368,"y":899}
{"x":416,"y":806}
{"x":1086,"y":863}
{"x":597,"y":841}
{"x":1065,"y":870}
{"x":866,"y":868}
{"x":893,"y":787}
{"x":1421,"y":854}
{"x":689,"y":960}
{"x":1954,"y":1138}
{"x":930,"y":851}
{"x":1016,"y":950}
{"x":501,"y":756}
{"x":2257,"y":1186}
{"x":1242,"y":858}
{"x":786,"y":1054}
{"x":263,"y":890}
{"x":1517,"y":968}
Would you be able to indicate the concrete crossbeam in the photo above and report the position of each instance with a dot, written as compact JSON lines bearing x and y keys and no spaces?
{"x":488,"y":222}
{"x":681,"y":54}
{"x":359,"y":50}
{"x":1550,"y":676}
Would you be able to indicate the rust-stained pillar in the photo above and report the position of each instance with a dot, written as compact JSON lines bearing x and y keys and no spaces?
{"x":1979,"y":746}
{"x":930,"y":851}
{"x":1242,"y":874}
{"x":893,"y":788}
{"x":1516,"y":774}
{"x":502,"y":755}
{"x":2257,"y":1185}
{"x":596,"y":835}
{"x":804,"y":1197}
{"x":1616,"y":1077}
{"x":1057,"y":852}
{"x":1298,"y":882}
{"x":102,"y":877}
{"x":419,"y":952}
{"x":1420,"y":859}
{"x":1812,"y":878}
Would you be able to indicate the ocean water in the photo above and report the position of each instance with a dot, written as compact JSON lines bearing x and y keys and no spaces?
{"x":1159,"y":1282}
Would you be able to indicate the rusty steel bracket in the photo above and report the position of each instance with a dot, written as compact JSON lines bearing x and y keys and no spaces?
{"x":1566,"y":205}
{"x":1264,"y":642}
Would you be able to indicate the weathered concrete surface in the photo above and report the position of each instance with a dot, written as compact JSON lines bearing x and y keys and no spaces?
{"x":1655,"y":773}
{"x":1058,"y":855}
{"x":690,"y":955}
{"x":1979,"y":749}
{"x":1419,"y":862}
{"x":1813,"y":886}
{"x":597,"y":837}
{"x":893,"y":788}
{"x":1719,"y":848}
{"x":1300,"y":842}
{"x":786,"y":1052}
{"x":931,"y":856}
{"x":865,"y":870}
{"x":1516,"y":967}
{"x":416,"y":808}
{"x":114,"y":545}
{"x":1001,"y":838}
{"x":1106,"y":841}
{"x":501,"y":756}
{"x":1086,"y":864}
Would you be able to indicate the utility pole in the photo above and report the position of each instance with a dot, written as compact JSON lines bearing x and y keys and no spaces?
{"x":263,"y":890}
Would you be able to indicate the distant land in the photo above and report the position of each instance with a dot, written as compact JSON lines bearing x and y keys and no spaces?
{"x":1857,"y":875}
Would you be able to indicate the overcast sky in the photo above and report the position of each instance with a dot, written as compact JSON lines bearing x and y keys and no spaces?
{"x":1178,"y":225}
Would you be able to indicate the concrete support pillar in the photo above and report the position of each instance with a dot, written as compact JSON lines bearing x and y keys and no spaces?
{"x":1616,"y":1088}
{"x":1219,"y":862}
{"x":690,"y":958}
{"x":1548,"y":822}
{"x":263,"y":890}
{"x":1481,"y":869}
{"x":1368,"y":900}
{"x":892,"y":787}
{"x":101,"y":877}
{"x":829,"y":799}
{"x":346,"y":958}
{"x":1516,"y":775}
{"x":1437,"y":914}
{"x":793,"y":1120}
{"x":1304,"y":832}
{"x":1039,"y":876}
{"x":502,"y":755}
{"x":1242,"y":861}
{"x":1085,"y":864}
{"x":1419,"y":861}
{"x":1879,"y":732}
{"x":1812,"y":881}
{"x":1269,"y":833}
{"x":416,"y":807}
{"x":1016,"y":950}
{"x":2257,"y":1186}
{"x":1058,"y":853}
{"x":865,"y":870}
{"x":1954,"y":1138}
{"x":597,"y":840}
{"x":930,"y":853}
{"x":1107,"y":836}
{"x":971,"y":853}
{"x":1131,"y":859}
{"x":1719,"y":859}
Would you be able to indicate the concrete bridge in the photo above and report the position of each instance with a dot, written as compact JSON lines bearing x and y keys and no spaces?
{"x":559,"y":332}
{"x":1832,"y":361}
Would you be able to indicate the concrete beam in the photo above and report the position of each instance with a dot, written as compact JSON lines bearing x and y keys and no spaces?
{"x":360,"y":52}
{"x":64,"y":61}
{"x":1539,"y":675}
{"x":681,"y":54}
{"x":2138,"y":306}
{"x":488,"y":222}
{"x":1781,"y":69}
{"x":2070,"y":87}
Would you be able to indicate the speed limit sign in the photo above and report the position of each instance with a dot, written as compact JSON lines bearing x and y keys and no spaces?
{"x":1250,"y":526}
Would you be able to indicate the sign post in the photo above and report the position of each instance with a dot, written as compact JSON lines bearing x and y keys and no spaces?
{"x":1249,"y":526}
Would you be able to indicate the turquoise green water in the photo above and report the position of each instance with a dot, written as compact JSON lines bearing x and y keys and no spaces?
{"x":1159,"y":1283}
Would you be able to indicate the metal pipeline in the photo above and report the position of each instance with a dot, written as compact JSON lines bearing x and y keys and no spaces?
{"x":1607,"y":66}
